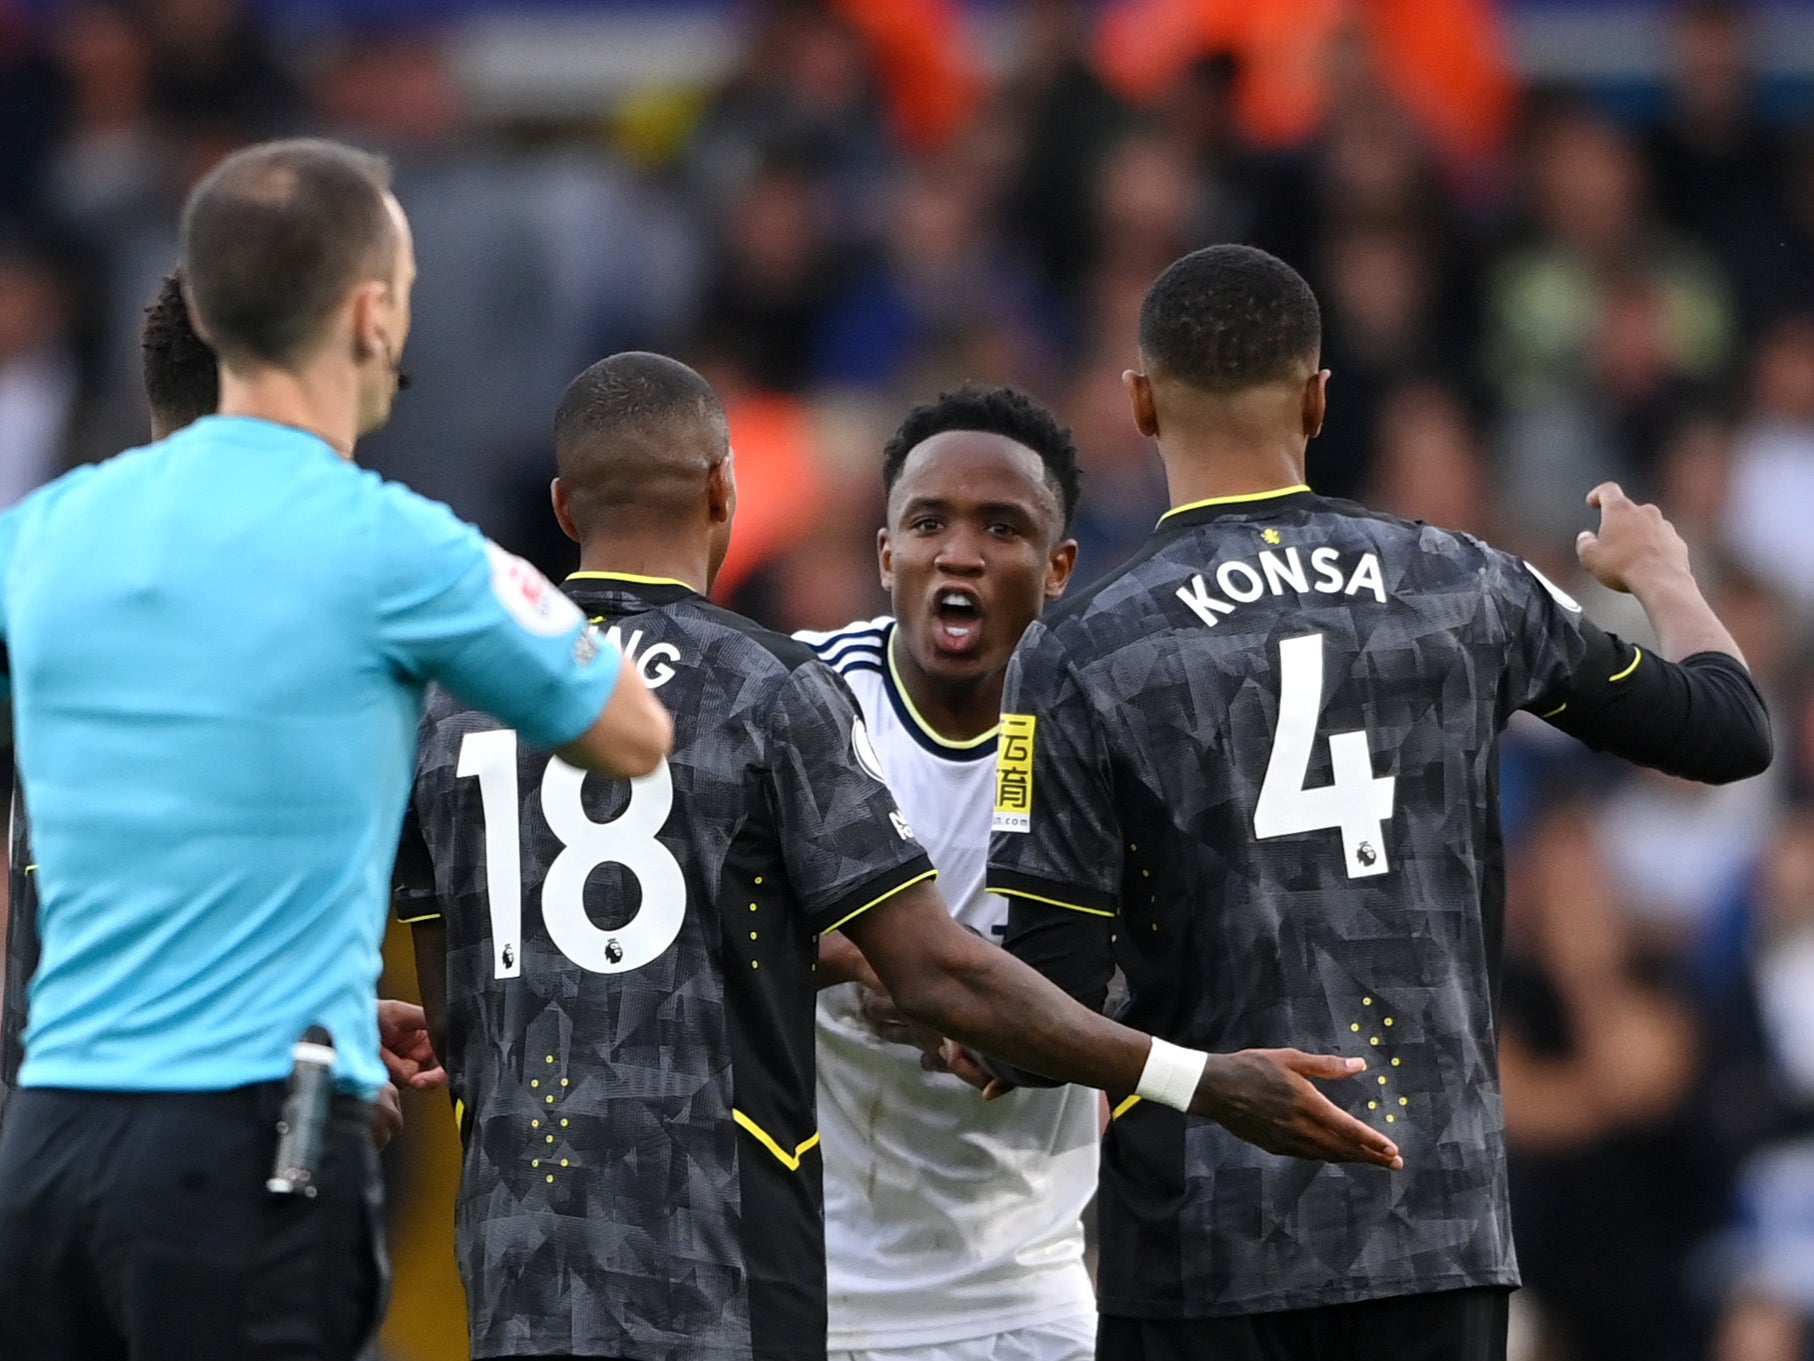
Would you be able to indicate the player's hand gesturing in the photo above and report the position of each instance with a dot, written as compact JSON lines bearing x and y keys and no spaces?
{"x":1635,"y":544}
{"x":405,"y":1047}
{"x":1265,"y":1097}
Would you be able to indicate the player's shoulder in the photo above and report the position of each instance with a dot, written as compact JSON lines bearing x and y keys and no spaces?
{"x":1115,"y":609}
{"x":773,"y":654}
{"x":1419,"y":534}
{"x":853,"y":649}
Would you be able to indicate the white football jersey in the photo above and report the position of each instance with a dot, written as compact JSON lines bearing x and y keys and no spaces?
{"x":946,"y":1217}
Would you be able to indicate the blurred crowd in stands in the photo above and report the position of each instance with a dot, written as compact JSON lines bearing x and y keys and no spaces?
{"x":1523,"y":294}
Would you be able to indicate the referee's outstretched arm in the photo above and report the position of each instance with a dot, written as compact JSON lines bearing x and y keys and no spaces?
{"x":1693,"y":712}
{"x":630,"y":736}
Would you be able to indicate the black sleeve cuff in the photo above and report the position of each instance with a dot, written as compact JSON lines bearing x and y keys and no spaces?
{"x":411,"y":906}
{"x":1701,"y":718}
{"x":855,"y":902}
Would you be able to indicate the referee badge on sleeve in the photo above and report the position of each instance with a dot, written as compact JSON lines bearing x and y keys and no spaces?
{"x":528,"y":597}
{"x":1014,"y":774}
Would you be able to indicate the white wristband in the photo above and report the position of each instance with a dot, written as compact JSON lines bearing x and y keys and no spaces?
{"x":1171,"y":1075}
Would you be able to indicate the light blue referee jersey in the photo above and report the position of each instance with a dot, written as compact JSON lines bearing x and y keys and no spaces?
{"x":217,"y":648}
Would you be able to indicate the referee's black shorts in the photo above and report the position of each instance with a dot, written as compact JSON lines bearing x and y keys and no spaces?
{"x":137,"y":1225}
{"x":1449,"y":1325}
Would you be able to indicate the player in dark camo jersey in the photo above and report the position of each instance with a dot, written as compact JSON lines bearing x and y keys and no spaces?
{"x":623,"y":976}
{"x":1256,"y":768}
{"x":182,"y":384}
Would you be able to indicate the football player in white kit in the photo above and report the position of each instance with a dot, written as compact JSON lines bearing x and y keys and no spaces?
{"x":952,"y":1226}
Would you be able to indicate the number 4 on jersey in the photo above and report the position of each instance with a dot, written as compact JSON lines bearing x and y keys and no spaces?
{"x":1356,"y":801}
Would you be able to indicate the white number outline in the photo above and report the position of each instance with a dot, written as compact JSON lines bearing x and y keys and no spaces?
{"x":1355,"y":800}
{"x":627,"y":840}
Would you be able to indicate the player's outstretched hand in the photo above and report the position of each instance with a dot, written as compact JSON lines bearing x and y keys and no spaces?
{"x":403,"y":1041}
{"x":1635,"y":544}
{"x":952,"y":1057}
{"x":1265,"y":1097}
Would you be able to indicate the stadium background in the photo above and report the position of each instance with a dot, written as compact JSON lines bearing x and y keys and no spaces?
{"x":1555,"y":241}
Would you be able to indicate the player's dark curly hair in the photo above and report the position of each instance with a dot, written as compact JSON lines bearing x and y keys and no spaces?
{"x":182,"y":382}
{"x":1230,"y":317}
{"x":1003,"y":411}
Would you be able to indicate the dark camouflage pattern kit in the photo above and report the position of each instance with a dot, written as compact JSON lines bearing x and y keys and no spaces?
{"x":1365,"y":922}
{"x":641,"y":1172}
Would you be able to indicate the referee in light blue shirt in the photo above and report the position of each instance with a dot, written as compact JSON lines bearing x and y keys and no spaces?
{"x":216,"y":648}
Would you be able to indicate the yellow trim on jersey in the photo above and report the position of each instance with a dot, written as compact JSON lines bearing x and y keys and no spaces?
{"x":630,"y":577}
{"x":1553,"y":712}
{"x":425,"y":917}
{"x":1124,"y":1107}
{"x":1018,"y":893}
{"x":459,"y":1115}
{"x":1633,"y":667}
{"x":900,"y":686}
{"x":1275,"y":493}
{"x":791,"y":1161}
{"x":30,"y":868}
{"x":918,"y":878}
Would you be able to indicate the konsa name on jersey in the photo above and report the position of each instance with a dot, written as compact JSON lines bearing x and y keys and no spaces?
{"x":1276,"y":571}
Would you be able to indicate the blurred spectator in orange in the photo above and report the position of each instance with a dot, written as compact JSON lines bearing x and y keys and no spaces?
{"x":1597,"y":1057}
{"x":1773,"y":469}
{"x":921,"y":51}
{"x":1442,"y":60}
{"x":780,"y":476}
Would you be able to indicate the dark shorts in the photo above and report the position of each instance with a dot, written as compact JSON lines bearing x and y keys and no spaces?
{"x":1452,"y":1325}
{"x":138,"y":1225}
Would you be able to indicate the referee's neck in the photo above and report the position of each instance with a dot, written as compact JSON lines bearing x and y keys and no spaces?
{"x":324,"y":404}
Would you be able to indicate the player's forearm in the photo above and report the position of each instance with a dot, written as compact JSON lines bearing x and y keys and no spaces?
{"x":1681,"y":617}
{"x":430,"y":940}
{"x":632,"y":735}
{"x":983,"y":997}
{"x":1701,"y":718}
{"x":841,"y":962}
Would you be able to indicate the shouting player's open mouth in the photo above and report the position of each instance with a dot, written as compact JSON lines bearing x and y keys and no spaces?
{"x":960,"y":620}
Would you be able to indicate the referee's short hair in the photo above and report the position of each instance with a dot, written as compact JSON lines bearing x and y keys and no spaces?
{"x":274,"y":238}
{"x":1227,"y":318}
